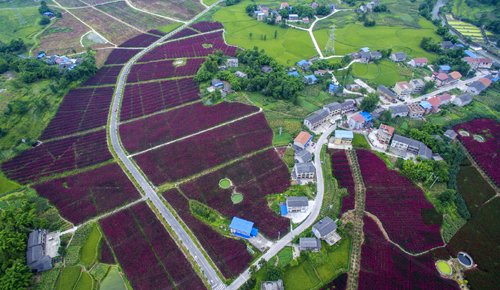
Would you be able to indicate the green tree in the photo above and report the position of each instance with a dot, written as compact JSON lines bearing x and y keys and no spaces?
{"x":250,"y":34}
{"x":275,"y":33}
{"x":368,"y":104}
{"x":428,"y":86}
{"x":274,"y":273}
{"x":44,"y":20}
{"x":16,"y":277}
{"x":4,"y":65}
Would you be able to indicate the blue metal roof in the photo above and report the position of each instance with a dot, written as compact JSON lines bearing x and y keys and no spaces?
{"x":460,"y":45}
{"x":293,"y":73}
{"x":254,"y":232}
{"x":284,"y":209}
{"x":242,"y":235}
{"x":426,"y":105}
{"x":312,"y":77}
{"x":445,"y":67}
{"x":218,"y":84}
{"x":48,"y":13}
{"x":302,"y":62}
{"x":257,"y":12}
{"x":470,"y":53}
{"x":334,"y":88}
{"x":241,"y":225}
{"x":367,"y":116}
{"x":344,"y":134}
{"x":365,"y":49}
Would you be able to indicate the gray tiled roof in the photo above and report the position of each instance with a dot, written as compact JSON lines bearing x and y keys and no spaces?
{"x":34,"y":254}
{"x":401,"y":139}
{"x":332,"y":107}
{"x":347,"y":103}
{"x":366,"y":55}
{"x":42,"y":265}
{"x":34,"y":238}
{"x":423,"y":150}
{"x":464,"y":97}
{"x":400,"y":55}
{"x":400,"y":109}
{"x":325,"y":226}
{"x":309,"y":243}
{"x":450,"y":134}
{"x":376,"y":54}
{"x":297,"y":201}
{"x":303,"y":155}
{"x":386,"y":91}
{"x":317,"y":116}
{"x":307,"y":167}
{"x":478,"y":85}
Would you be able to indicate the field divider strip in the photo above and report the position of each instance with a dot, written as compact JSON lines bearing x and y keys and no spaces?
{"x":189,"y":36}
{"x":194,"y":134}
{"x":157,"y":15}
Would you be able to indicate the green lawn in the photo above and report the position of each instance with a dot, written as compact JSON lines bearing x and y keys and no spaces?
{"x":340,"y":257}
{"x":12,"y":28}
{"x":170,"y":27}
{"x":88,"y":253}
{"x":290,"y":45}
{"x":300,"y":277}
{"x":353,"y":37}
{"x":85,"y":282}
{"x":224,"y":183}
{"x":286,"y":255}
{"x":386,"y":73}
{"x":113,"y":281}
{"x":100,"y":271}
{"x":237,"y":198}
{"x":7,"y":184}
{"x":326,"y":272}
{"x":360,"y":141}
{"x":68,"y":278}
{"x":281,"y":140}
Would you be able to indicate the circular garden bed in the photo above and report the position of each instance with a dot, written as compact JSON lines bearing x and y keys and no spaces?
{"x":478,"y":138}
{"x":464,"y":133}
{"x":225,"y":183}
{"x":237,"y":197}
{"x":444,"y":268}
{"x":465,"y":259}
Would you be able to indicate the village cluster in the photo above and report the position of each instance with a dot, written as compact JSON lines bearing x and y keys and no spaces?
{"x":61,"y":62}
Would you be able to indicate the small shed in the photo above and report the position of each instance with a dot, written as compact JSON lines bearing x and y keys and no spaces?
{"x":343,"y":137}
{"x":312,"y":244}
{"x":242,"y":228}
{"x":293,"y":73}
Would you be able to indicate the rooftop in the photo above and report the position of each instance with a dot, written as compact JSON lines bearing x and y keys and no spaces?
{"x":366,"y":116}
{"x":297,"y":201}
{"x":420,"y":60}
{"x":455,"y":75}
{"x":434,"y":101}
{"x":311,"y":78}
{"x":426,"y":105}
{"x":309,"y":243}
{"x":389,"y":129}
{"x":344,"y":134}
{"x":445,"y":67}
{"x":307,"y":167}
{"x":358,"y":118}
{"x":241,"y":225}
{"x":464,"y":97}
{"x":400,"y":109}
{"x":325,"y":226}
{"x":303,"y":138}
{"x":403,"y":85}
{"x":294,"y":73}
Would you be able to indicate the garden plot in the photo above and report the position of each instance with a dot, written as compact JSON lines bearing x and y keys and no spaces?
{"x":161,"y":128}
{"x":121,"y":56}
{"x":193,"y":155}
{"x":163,"y":69}
{"x":57,"y":157}
{"x":180,"y":9}
{"x":183,"y":33}
{"x":485,"y":153}
{"x":90,"y":193}
{"x":105,"y":76}
{"x":384,"y":266}
{"x":113,"y":30}
{"x":63,"y":36}
{"x":137,"y":232}
{"x":254,"y":178}
{"x":141,"y":20}
{"x":399,"y":205}
{"x":341,"y":170}
{"x":229,"y":255}
{"x":81,"y":110}
{"x":141,"y":40}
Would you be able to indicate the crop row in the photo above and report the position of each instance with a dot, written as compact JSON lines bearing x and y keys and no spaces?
{"x":156,"y":32}
{"x":162,"y":70}
{"x":183,"y":33}
{"x":106,"y":75}
{"x":105,"y":255}
{"x":255,"y":178}
{"x":146,"y":98}
{"x":398,"y":203}
{"x":229,"y":255}
{"x":203,"y":151}
{"x":81,"y":110}
{"x":141,"y":40}
{"x":207,"y":26}
{"x":487,"y":152}
{"x":121,"y":56}
{"x":58,"y":156}
{"x":384,"y":266}
{"x":87,"y":194}
{"x":160,"y":128}
{"x":147,"y":252}
{"x":342,"y":172}
{"x":190,"y":47}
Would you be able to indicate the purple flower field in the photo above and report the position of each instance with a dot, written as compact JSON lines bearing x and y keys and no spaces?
{"x":229,"y":255}
{"x":254,"y":177}
{"x":161,"y":128}
{"x":207,"y":26}
{"x":207,"y":150}
{"x":87,"y":194}
{"x":162,"y":70}
{"x":156,"y":32}
{"x":384,"y":266}
{"x":183,"y":33}
{"x":106,"y":75}
{"x":105,"y":255}
{"x":342,"y":172}
{"x":141,"y":40}
{"x":121,"y":56}
{"x":147,"y":98}
{"x":398,"y":204}
{"x":190,"y":47}
{"x":148,"y":267}
{"x":81,"y":110}
{"x":58,"y":156}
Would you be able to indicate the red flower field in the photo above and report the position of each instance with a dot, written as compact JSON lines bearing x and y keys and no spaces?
{"x":162,"y":70}
{"x":106,"y":75}
{"x":58,"y":156}
{"x":151,"y":260}
{"x":183,"y":33}
{"x":207,"y":26}
{"x":207,"y":150}
{"x":384,"y":266}
{"x":342,"y":172}
{"x":121,"y":56}
{"x":141,"y":40}
{"x":398,"y":204}
{"x":229,"y":255}
{"x":487,"y":153}
{"x":161,"y":128}
{"x":105,"y":255}
{"x":254,"y":177}
{"x":90,"y":193}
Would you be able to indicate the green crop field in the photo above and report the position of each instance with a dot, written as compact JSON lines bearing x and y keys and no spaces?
{"x":326,"y":272}
{"x":85,"y":282}
{"x":68,"y":278}
{"x":340,"y":257}
{"x":290,"y":45}
{"x":113,"y":281}
{"x":88,"y":253}
{"x":301,"y":277}
{"x":7,"y":184}
{"x":12,"y":28}
{"x":353,"y":37}
{"x":285,"y":255}
{"x":99,"y":271}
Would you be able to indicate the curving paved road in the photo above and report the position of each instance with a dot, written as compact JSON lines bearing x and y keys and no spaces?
{"x":150,"y":194}
{"x":307,"y":223}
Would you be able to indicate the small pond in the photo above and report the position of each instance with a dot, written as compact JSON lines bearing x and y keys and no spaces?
{"x":464,"y":259}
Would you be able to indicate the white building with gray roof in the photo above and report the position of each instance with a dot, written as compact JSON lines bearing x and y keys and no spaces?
{"x":333,"y":109}
{"x":326,"y":229}
{"x":297,"y":203}
{"x":398,"y":56}
{"x":462,"y":100}
{"x":400,"y":111}
{"x":409,"y":147}
{"x":450,"y":134}
{"x":312,"y":244}
{"x":303,"y":156}
{"x":316,"y":119}
{"x":36,"y":258}
{"x":304,"y":170}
